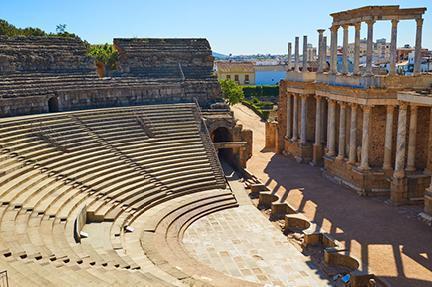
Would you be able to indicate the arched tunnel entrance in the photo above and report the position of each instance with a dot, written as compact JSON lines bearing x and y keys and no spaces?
{"x":53,"y":105}
{"x":223,"y":135}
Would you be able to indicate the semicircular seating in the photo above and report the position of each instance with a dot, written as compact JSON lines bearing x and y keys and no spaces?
{"x":82,"y":193}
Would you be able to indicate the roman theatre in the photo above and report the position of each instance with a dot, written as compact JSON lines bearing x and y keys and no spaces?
{"x":138,"y":176}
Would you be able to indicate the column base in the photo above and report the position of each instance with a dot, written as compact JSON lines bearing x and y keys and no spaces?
{"x":317,"y":155}
{"x":399,"y":190}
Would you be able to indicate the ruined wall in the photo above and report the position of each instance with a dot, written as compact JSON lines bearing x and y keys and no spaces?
{"x":43,"y":54}
{"x":165,"y":58}
{"x":34,"y":70}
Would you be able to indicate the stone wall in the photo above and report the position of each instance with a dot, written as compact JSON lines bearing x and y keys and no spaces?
{"x":165,"y":58}
{"x":35,"y":70}
{"x":42,"y":54}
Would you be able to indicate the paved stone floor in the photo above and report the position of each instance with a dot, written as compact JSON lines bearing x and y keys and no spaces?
{"x":242,"y":243}
{"x":388,"y":240}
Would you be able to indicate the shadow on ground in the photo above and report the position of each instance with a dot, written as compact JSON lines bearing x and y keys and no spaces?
{"x":358,"y":222}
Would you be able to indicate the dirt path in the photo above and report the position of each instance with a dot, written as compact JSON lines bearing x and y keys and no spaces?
{"x":388,"y":240}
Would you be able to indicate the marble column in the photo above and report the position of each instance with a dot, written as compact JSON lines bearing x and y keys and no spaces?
{"x":289,"y":56}
{"x":324,"y":53}
{"x":418,"y":46}
{"x":303,"y":121}
{"x":333,"y":49}
{"x":364,"y":164}
{"x":320,"y":50}
{"x":357,"y":27}
{"x":305,"y":55}
{"x":296,"y":55}
{"x":412,"y":139}
{"x":332,"y":129}
{"x":345,"y":49}
{"x":369,"y":48}
{"x":342,"y":113}
{"x":393,"y":47}
{"x":295,"y":119}
{"x":399,"y":171}
{"x":352,"y":157}
{"x":388,"y":141}
{"x":289,"y":117}
{"x":318,"y":121}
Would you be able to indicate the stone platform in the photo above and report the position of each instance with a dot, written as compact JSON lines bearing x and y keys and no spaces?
{"x":242,"y":243}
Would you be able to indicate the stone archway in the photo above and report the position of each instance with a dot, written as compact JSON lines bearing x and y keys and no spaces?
{"x":221,"y":135}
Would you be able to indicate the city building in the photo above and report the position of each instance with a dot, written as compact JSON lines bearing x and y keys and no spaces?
{"x":241,"y":72}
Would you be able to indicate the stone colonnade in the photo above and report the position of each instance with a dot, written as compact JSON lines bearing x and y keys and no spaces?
{"x":344,"y":134}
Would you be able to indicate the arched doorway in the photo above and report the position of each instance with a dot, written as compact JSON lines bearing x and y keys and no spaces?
{"x":223,"y":134}
{"x":53,"y":105}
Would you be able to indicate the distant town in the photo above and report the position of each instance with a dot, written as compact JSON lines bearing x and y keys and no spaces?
{"x":267,"y":69}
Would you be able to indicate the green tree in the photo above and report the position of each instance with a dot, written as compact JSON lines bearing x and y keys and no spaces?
{"x":106,"y":54}
{"x":231,"y":91}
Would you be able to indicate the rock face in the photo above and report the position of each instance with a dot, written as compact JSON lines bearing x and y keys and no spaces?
{"x":48,"y":74}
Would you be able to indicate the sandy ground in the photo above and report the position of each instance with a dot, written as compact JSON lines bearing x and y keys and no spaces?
{"x":389,"y":241}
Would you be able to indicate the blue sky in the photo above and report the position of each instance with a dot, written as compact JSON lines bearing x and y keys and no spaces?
{"x":235,"y":26}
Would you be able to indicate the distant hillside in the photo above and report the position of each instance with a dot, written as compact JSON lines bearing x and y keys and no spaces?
{"x":220,"y":56}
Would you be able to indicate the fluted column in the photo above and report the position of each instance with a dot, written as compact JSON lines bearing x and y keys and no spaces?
{"x":342,"y":113}
{"x":388,"y":138}
{"x":305,"y":56}
{"x":418,"y":46}
{"x":320,"y":50}
{"x":318,"y":121}
{"x":399,"y":171}
{"x":333,"y":49}
{"x":369,"y":48}
{"x":289,"y":117}
{"x":364,"y":165}
{"x":332,"y":129}
{"x":352,"y":157}
{"x":345,"y":49}
{"x":393,"y":47}
{"x":296,"y":55}
{"x":412,"y":139}
{"x":357,"y":27}
{"x":289,"y":56}
{"x":303,"y":122}
{"x":295,"y":119}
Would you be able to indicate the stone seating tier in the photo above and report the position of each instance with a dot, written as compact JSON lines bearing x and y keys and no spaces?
{"x":137,"y":55}
{"x":111,"y":171}
{"x":30,"y":54}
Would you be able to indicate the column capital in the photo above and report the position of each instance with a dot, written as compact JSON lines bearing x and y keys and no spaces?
{"x":413,"y":107}
{"x":342,"y":104}
{"x":321,"y":31}
{"x":390,"y":108}
{"x":318,"y":97}
{"x":345,"y":26}
{"x":419,"y":21}
{"x":366,"y":108}
{"x":357,"y":25}
{"x":394,"y":22}
{"x":353,"y":105}
{"x":370,"y":22}
{"x":403,"y":106}
{"x":334,"y":28}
